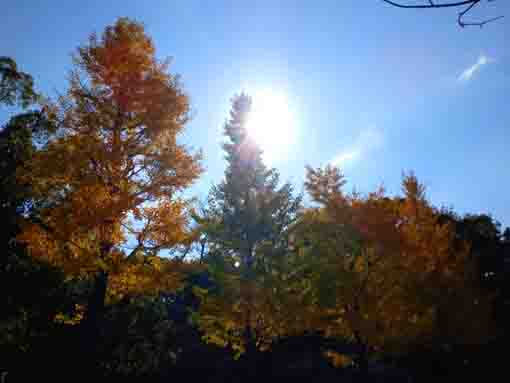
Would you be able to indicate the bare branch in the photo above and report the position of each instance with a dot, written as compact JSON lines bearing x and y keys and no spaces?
{"x":431,"y":4}
{"x":469,"y":4}
{"x":476,"y":24}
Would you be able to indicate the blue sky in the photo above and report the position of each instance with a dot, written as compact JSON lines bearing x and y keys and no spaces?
{"x":375,"y":89}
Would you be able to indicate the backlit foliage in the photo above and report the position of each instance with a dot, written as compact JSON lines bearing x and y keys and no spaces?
{"x":71,"y":319}
{"x":378,"y":271}
{"x":388,"y":273}
{"x":246,"y":224}
{"x":113,"y":171}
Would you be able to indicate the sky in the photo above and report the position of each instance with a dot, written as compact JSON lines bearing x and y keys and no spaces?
{"x":373,"y":89}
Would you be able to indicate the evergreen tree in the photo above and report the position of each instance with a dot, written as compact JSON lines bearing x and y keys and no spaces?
{"x":247,"y":224}
{"x":16,"y":87}
{"x":33,"y":291}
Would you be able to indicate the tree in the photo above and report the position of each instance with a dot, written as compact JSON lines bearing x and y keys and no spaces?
{"x":247,"y":225}
{"x":483,"y":233}
{"x":16,"y":87}
{"x":112,"y":171}
{"x":388,"y":274}
{"x":34,"y":292}
{"x":488,"y":249}
{"x":465,"y":5}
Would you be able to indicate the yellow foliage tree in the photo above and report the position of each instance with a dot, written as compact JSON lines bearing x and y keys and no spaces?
{"x":387,"y":273}
{"x":113,"y":171}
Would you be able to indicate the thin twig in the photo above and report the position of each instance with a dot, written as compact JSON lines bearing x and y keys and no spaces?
{"x":431,"y":4}
{"x":470,"y":4}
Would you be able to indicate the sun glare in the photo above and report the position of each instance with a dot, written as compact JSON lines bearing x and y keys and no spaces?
{"x":271,"y":124}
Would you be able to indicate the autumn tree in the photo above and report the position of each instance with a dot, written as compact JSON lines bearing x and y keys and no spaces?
{"x":111,"y":174}
{"x":388,"y":273}
{"x":246,"y":225}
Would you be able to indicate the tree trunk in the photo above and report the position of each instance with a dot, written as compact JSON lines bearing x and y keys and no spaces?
{"x":96,"y":302}
{"x":92,"y":323}
{"x":362,"y":357}
{"x":250,"y":355}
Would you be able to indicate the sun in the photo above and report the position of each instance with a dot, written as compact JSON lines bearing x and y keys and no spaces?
{"x":271,"y":124}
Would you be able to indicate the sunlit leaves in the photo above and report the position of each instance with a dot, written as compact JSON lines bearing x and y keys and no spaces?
{"x":393,"y":268}
{"x":110,"y":173}
{"x":145,"y":276}
{"x":71,"y":319}
{"x":245,"y":228}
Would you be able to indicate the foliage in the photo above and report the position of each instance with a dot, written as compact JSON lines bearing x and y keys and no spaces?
{"x":113,"y":168}
{"x":91,"y":194}
{"x":33,"y":292}
{"x":387,"y":273}
{"x":137,"y":337}
{"x":16,"y":87}
{"x":246,"y":224}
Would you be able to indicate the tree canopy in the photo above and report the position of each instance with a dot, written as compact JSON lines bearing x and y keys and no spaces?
{"x":94,"y":196}
{"x":113,"y":167}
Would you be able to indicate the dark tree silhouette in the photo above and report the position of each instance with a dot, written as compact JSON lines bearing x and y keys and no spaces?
{"x":466,"y":6}
{"x":16,"y":87}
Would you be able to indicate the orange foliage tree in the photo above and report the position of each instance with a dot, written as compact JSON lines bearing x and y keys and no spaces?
{"x":112,"y":173}
{"x":386,"y":273}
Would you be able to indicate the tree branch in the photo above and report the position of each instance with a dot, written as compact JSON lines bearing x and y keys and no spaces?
{"x":431,"y":4}
{"x":469,"y":4}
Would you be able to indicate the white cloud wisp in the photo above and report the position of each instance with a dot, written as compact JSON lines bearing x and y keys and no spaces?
{"x":468,"y":73}
{"x":366,"y":141}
